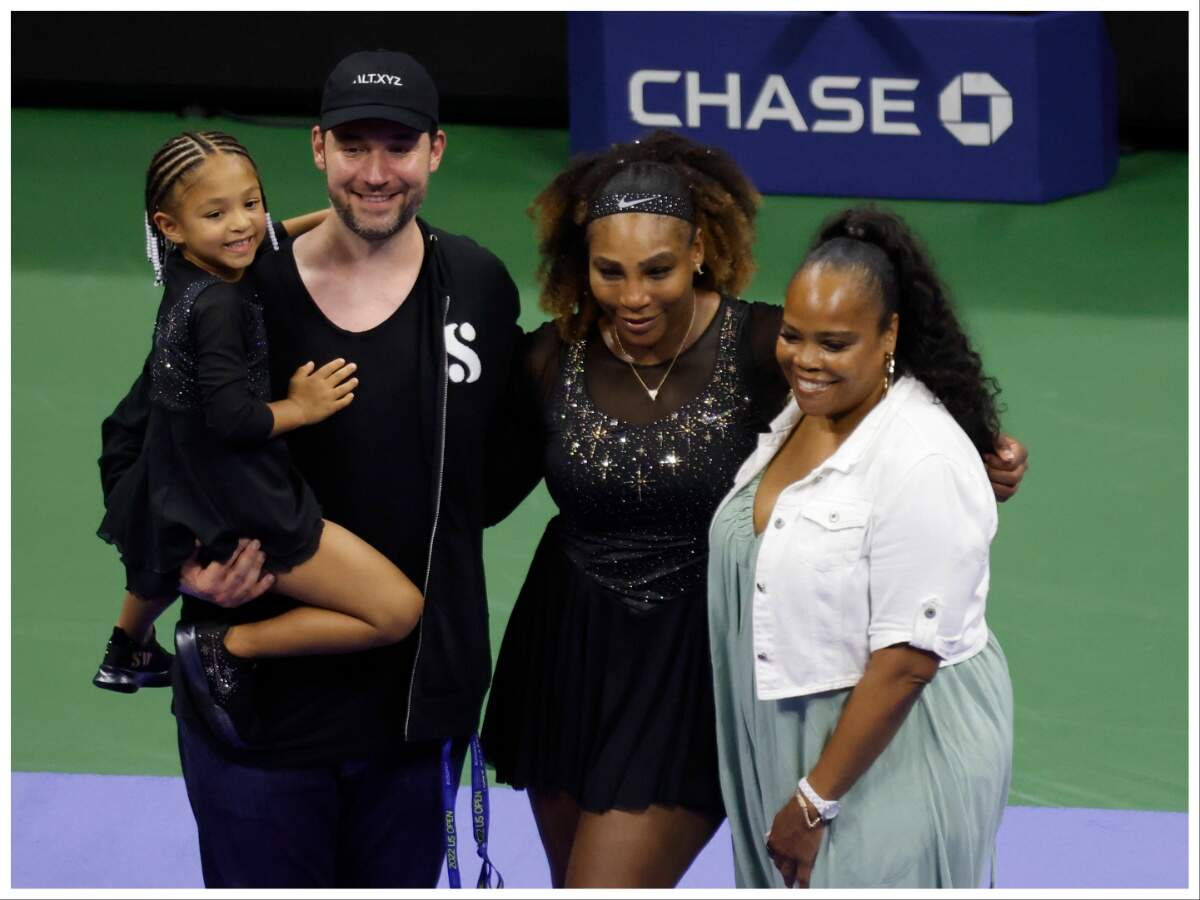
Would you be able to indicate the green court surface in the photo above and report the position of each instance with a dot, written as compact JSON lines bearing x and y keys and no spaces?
{"x":1079,"y":308}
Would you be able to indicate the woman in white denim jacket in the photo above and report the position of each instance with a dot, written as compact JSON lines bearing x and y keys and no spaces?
{"x":848,"y":568}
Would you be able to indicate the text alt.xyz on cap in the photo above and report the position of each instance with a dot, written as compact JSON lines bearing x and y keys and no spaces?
{"x":380,"y":84}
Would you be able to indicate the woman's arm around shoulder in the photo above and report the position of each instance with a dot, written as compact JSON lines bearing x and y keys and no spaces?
{"x":516,"y":442}
{"x":1007,"y":466}
{"x":769,"y":389}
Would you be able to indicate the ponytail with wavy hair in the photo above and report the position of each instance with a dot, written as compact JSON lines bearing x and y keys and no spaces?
{"x":931,"y":344}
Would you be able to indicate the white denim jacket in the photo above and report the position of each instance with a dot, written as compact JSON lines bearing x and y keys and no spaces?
{"x":885,"y":542}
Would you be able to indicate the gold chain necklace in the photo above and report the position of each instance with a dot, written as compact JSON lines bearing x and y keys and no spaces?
{"x":652,"y":393}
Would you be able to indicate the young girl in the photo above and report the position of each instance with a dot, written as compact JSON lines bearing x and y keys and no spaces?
{"x":211,"y":471}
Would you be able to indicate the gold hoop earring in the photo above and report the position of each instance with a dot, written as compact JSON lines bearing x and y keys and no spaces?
{"x":889,"y":370}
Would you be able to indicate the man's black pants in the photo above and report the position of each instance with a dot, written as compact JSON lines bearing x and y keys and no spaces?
{"x":359,"y":824}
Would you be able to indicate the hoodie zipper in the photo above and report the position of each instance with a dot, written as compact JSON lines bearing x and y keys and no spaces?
{"x":437,"y":509}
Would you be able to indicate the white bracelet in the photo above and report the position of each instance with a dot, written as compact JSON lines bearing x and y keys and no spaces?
{"x":826,"y":809}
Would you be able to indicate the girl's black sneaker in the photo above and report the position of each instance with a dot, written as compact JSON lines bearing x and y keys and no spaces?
{"x":129,"y":665}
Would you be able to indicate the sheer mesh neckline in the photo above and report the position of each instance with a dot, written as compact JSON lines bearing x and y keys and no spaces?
{"x":712,"y":323}
{"x":611,"y":386}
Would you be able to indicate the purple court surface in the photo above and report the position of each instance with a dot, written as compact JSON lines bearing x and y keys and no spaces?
{"x":63,"y":837}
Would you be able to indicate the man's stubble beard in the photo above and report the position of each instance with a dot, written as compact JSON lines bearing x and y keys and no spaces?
{"x":406,"y":214}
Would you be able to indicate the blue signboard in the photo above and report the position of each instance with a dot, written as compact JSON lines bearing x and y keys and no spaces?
{"x":918,"y":105}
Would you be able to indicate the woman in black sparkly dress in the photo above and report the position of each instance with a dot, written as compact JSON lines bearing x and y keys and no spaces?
{"x":647,"y":392}
{"x":651,"y":385}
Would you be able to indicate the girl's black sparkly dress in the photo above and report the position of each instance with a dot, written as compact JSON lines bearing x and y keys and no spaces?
{"x":603,"y":684}
{"x":209,"y":469}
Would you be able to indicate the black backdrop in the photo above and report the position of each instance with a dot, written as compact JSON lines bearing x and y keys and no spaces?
{"x":506,"y":68}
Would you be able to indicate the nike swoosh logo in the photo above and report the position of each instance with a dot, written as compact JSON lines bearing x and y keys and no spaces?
{"x":625,"y":204}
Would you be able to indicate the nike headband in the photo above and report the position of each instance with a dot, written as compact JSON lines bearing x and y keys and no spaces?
{"x":630,"y":202}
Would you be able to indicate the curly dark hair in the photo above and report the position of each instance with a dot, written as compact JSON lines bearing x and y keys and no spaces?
{"x":931,"y":344}
{"x":724,"y":200}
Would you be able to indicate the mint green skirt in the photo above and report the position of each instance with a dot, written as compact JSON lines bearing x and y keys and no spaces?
{"x":924,"y":815}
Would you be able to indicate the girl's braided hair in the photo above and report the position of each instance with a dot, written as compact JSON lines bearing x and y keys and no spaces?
{"x":175,"y":159}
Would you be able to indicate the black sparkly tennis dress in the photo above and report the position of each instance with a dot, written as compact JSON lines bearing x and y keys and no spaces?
{"x":603,"y":683}
{"x":209,"y":469}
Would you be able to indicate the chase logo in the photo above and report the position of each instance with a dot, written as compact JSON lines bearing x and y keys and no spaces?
{"x":836,"y":104}
{"x":467,"y":366}
{"x":1000,"y":109}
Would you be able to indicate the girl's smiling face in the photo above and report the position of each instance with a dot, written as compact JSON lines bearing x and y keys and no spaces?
{"x":216,"y":216}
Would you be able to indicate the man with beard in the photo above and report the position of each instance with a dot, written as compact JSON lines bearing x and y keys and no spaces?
{"x":343,"y":784}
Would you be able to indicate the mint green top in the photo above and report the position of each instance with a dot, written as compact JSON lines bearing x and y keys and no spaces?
{"x":925,"y":814}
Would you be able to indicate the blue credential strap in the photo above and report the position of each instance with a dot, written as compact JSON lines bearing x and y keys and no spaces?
{"x":479,"y":816}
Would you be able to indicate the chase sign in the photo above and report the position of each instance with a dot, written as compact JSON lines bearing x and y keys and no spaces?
{"x":922,"y":105}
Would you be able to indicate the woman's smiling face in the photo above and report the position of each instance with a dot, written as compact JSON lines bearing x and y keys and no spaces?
{"x":831,"y":347}
{"x":640,"y":269}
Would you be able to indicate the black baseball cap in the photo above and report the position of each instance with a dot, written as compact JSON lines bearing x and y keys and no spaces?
{"x":380,"y":84}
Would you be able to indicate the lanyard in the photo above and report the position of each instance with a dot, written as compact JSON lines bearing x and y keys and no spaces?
{"x":479,"y":815}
